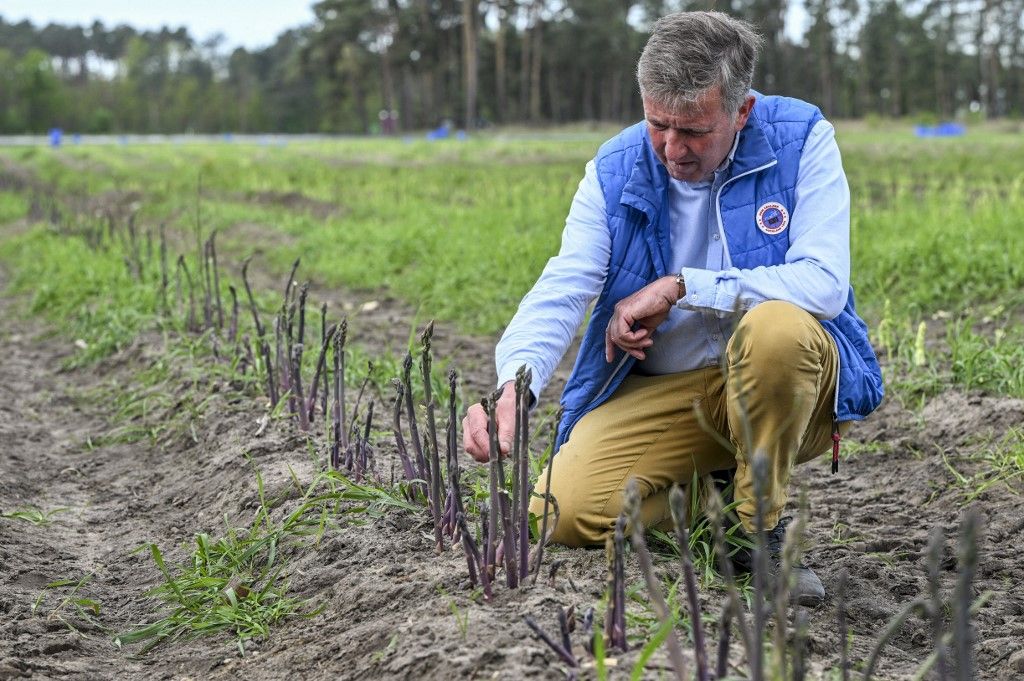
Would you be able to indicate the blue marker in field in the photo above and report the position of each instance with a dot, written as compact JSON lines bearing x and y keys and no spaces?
{"x":56,"y":135}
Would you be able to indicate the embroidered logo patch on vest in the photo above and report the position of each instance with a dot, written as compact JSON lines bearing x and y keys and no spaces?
{"x":772,"y":218}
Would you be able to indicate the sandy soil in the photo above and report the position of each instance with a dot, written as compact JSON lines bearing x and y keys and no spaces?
{"x":389,"y":601}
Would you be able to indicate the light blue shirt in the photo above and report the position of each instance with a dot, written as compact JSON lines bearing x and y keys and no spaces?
{"x":815,"y":275}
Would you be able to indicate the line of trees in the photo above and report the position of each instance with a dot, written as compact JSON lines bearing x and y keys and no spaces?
{"x":477,"y":62}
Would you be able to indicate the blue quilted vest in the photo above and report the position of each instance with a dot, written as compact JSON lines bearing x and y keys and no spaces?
{"x":635,"y":184}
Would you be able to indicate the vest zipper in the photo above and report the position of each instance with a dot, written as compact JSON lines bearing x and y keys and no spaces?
{"x":607,"y":383}
{"x":836,"y":435}
{"x":718,"y":205}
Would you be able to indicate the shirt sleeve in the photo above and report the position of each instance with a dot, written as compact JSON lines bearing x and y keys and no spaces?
{"x":816,"y":273}
{"x":551,"y":313}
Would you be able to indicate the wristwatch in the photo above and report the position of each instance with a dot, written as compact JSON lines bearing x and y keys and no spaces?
{"x":681,"y":282}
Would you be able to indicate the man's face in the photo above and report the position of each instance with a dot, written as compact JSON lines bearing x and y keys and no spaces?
{"x":693,"y":141}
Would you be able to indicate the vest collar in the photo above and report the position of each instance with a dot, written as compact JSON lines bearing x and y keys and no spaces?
{"x":754,"y":150}
{"x":649,"y":179}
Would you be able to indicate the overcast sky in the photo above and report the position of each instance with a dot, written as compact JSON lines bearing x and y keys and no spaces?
{"x":251,"y":23}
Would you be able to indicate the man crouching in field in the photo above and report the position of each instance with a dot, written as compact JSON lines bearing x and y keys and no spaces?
{"x":722,"y":201}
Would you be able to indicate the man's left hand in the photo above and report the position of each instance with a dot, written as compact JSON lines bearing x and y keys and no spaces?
{"x":635,"y":318}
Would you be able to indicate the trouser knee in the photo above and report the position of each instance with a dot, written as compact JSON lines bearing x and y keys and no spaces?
{"x":578,"y":522}
{"x":773,"y":337}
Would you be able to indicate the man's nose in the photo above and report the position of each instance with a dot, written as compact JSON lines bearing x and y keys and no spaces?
{"x":675,"y":145}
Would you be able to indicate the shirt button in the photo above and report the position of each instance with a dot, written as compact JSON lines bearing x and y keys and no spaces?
{"x":715,"y":236}
{"x":714,"y":338}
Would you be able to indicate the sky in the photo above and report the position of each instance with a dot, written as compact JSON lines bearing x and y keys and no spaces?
{"x":249,"y":23}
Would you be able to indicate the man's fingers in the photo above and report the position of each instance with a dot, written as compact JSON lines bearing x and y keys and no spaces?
{"x":474,"y":434}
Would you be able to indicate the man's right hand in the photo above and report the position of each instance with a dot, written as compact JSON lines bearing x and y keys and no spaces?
{"x":474,"y":427}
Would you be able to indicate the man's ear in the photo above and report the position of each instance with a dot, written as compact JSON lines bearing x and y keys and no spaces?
{"x":744,"y":112}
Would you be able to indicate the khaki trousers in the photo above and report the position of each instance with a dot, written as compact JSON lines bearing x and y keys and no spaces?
{"x":776,"y":397}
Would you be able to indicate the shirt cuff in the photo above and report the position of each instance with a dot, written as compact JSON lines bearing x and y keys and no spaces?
{"x":508,"y":373}
{"x":708,"y":289}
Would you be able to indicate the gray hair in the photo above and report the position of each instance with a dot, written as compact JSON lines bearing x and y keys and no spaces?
{"x":690,"y":53}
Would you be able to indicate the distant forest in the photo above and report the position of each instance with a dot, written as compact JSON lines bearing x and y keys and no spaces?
{"x":496,"y":62}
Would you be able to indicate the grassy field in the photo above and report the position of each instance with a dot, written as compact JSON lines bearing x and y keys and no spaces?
{"x":460,"y":229}
{"x":456,"y":231}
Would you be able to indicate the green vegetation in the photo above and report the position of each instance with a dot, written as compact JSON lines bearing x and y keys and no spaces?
{"x":239,"y":582}
{"x":527,"y":61}
{"x":34,"y":515}
{"x":460,"y":230}
{"x":432,"y":226}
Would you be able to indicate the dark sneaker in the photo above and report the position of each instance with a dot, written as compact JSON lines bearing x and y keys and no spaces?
{"x":806,"y":589}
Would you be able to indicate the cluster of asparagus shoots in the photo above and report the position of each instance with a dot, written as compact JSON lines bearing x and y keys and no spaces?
{"x":504,"y":532}
{"x":789,"y":651}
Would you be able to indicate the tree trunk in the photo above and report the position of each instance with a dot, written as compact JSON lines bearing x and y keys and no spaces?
{"x":535,"y":72}
{"x":500,"y":66}
{"x":470,"y":59}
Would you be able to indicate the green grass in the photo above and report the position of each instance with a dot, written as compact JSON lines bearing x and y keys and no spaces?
{"x":996,"y":463}
{"x":34,"y":515}
{"x":238,"y":583}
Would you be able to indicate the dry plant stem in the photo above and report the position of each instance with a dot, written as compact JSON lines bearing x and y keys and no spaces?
{"x":759,"y":467}
{"x":339,"y":379}
{"x":615,"y":618}
{"x":524,"y":474}
{"x":919,"y":604}
{"x":547,"y":497}
{"x":517,"y":443}
{"x":588,"y":630}
{"x":508,"y":540}
{"x":178,"y":300}
{"x":364,"y":445}
{"x":338,"y":409}
{"x":303,"y":294}
{"x":566,"y":655}
{"x":947,"y":639}
{"x":724,"y":634}
{"x":284,"y":375}
{"x":654,"y":588}
{"x":800,"y":646}
{"x":844,"y":662}
{"x":216,"y":279}
{"x":327,"y":373}
{"x":473,"y":560}
{"x":714,"y":502}
{"x":494,"y":462}
{"x":298,"y":396}
{"x":359,"y":399}
{"x":163,"y":269}
{"x":790,"y":551}
{"x":290,"y":281}
{"x":207,"y":287}
{"x":410,"y":412}
{"x":233,"y":327}
{"x":563,"y":626}
{"x":454,"y":474}
{"x":403,"y":451}
{"x":507,"y":551}
{"x":967,"y":559}
{"x":321,"y":363}
{"x":677,"y":504}
{"x":190,"y":323}
{"x":935,"y":607}
{"x":436,"y":500}
{"x":252,"y":301}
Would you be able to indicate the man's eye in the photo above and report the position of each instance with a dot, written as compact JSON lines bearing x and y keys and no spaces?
{"x":658,"y":126}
